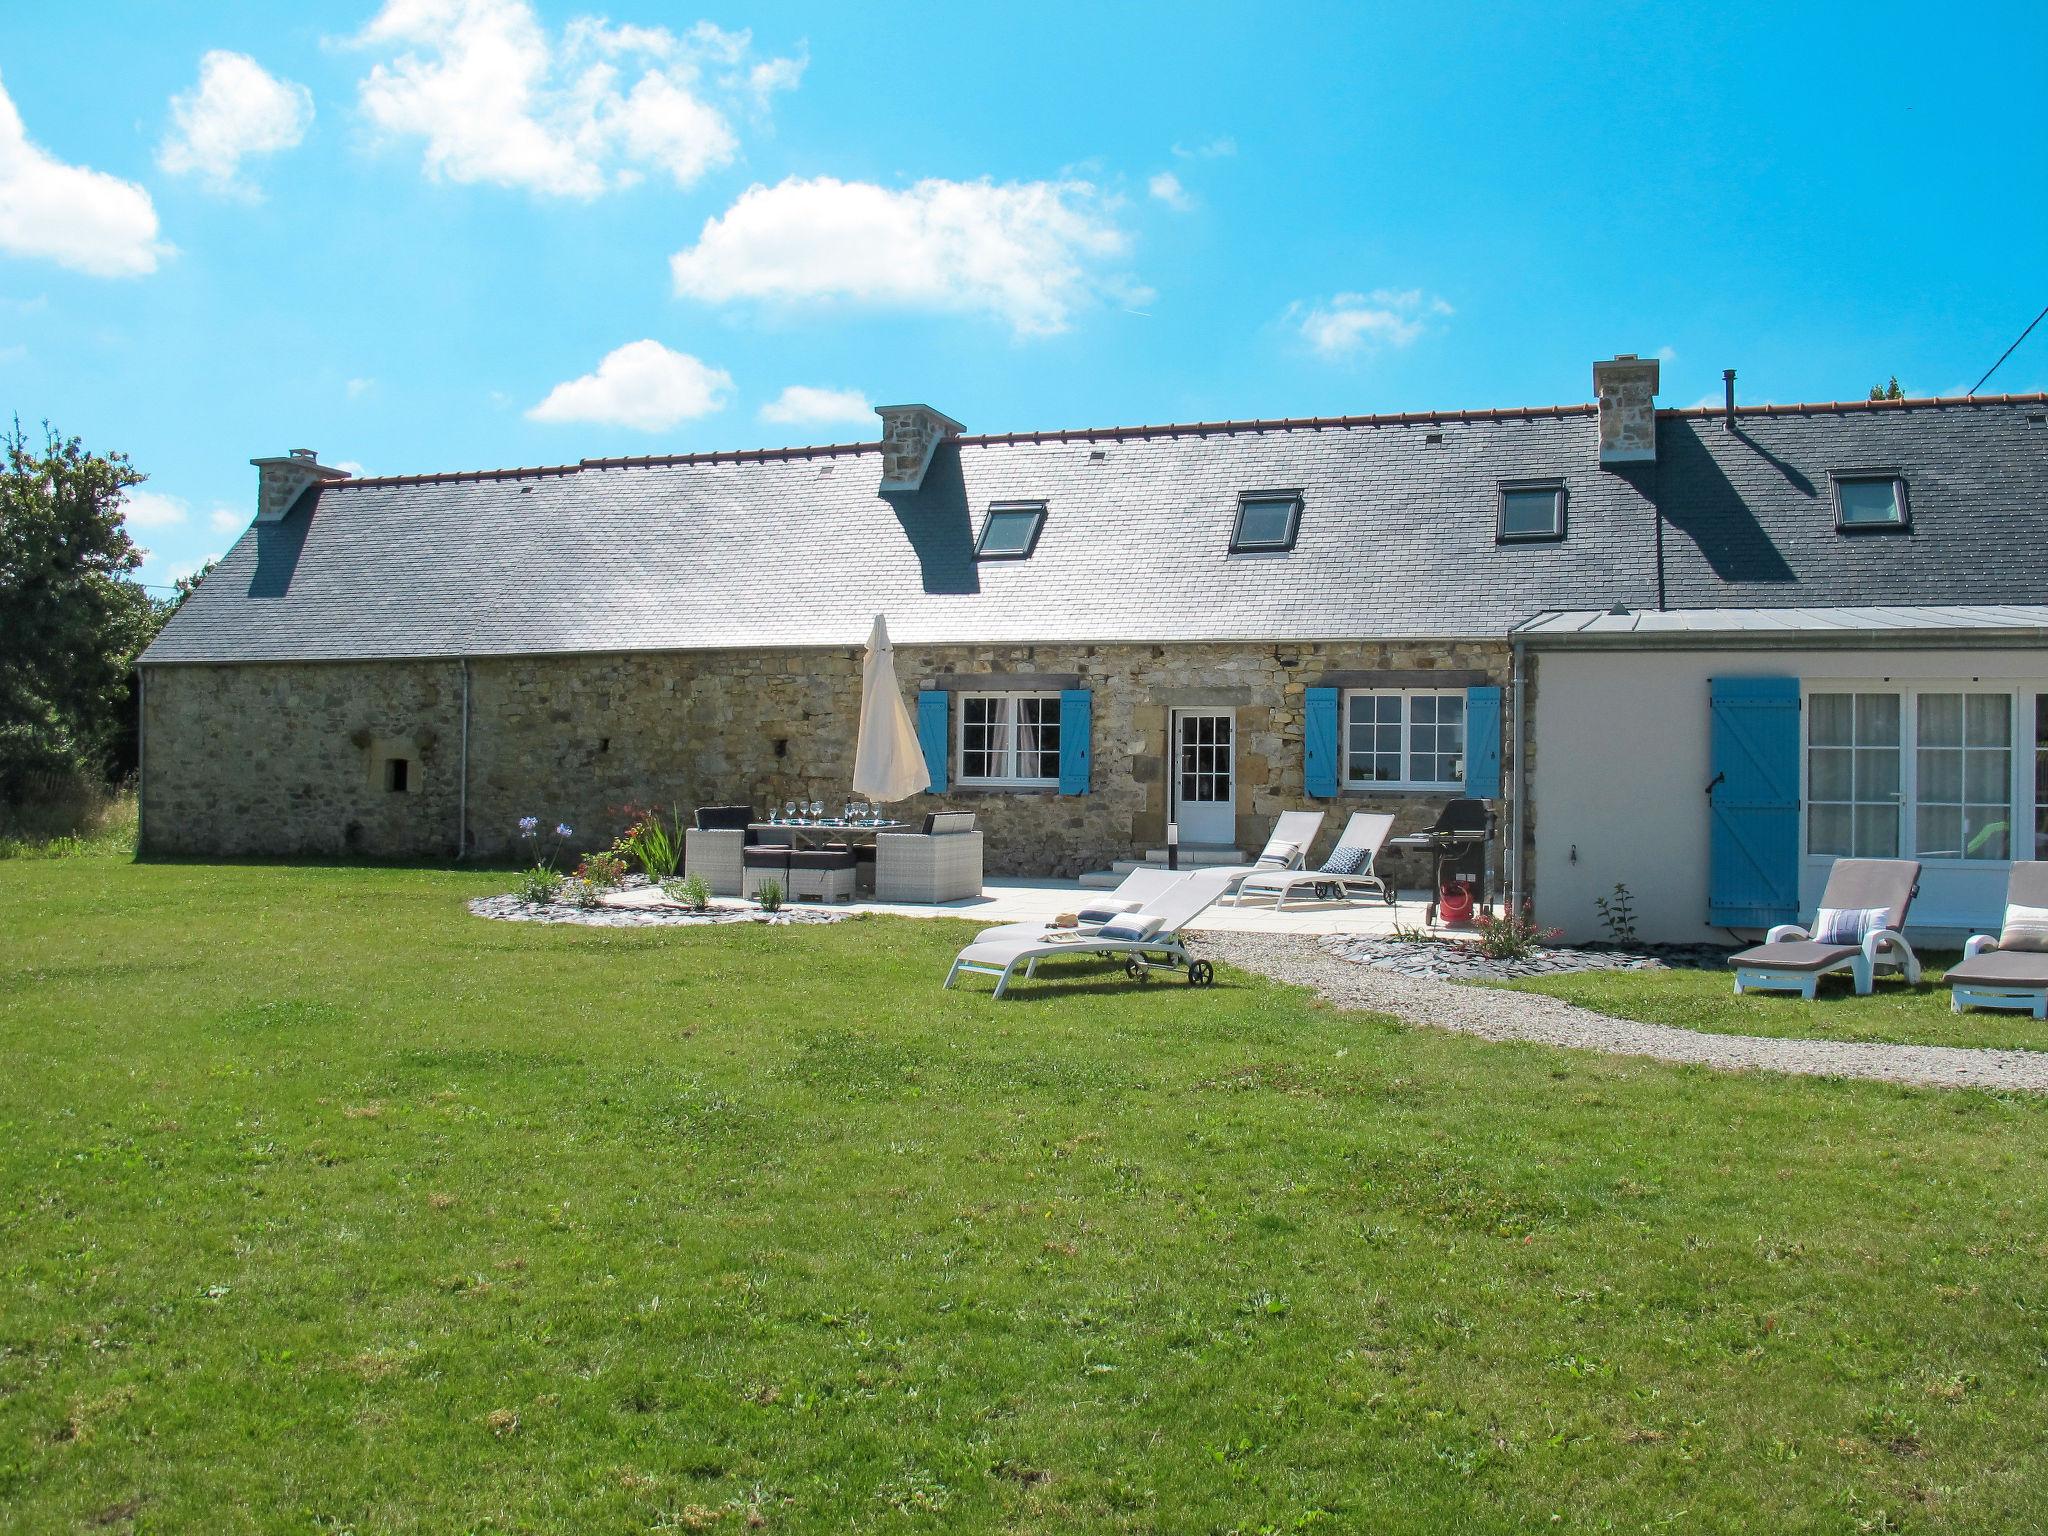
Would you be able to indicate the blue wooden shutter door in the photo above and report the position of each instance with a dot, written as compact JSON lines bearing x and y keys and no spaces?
{"x":934,"y":734}
{"x":1482,"y":743}
{"x":1319,"y":743}
{"x":1753,"y":842}
{"x":1077,"y":718}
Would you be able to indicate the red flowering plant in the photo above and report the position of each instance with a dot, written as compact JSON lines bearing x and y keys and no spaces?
{"x":1513,"y":935}
{"x":653,"y":843}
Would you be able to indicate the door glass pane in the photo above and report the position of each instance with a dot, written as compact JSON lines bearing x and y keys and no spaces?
{"x":1830,"y":719}
{"x":1830,"y":774}
{"x":1965,"y":775}
{"x":2041,"y":775}
{"x":1941,"y":719}
{"x":1852,"y":794}
{"x":1877,"y":719}
{"x":1938,"y":831}
{"x":1828,"y":829}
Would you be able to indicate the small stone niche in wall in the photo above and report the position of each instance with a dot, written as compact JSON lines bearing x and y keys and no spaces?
{"x":398,"y":775}
{"x":392,"y":764}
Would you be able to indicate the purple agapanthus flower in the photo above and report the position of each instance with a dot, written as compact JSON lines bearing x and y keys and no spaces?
{"x":528,"y":823}
{"x":563,"y":829}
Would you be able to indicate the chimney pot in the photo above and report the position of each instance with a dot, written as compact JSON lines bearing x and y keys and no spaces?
{"x":1627,"y":391}
{"x":911,"y":434}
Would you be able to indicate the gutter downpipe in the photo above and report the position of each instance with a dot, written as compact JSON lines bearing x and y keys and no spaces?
{"x":462,"y":791}
{"x":1517,"y":734}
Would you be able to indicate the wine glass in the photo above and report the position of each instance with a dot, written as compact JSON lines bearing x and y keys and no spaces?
{"x":817,"y":810}
{"x":789,"y":810}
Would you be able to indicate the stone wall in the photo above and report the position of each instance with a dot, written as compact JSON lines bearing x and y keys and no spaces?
{"x":281,"y":759}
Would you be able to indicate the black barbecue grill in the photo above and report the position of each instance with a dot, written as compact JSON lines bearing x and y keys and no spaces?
{"x":1458,"y":842}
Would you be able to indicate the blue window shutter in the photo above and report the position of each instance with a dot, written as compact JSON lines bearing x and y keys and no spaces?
{"x":935,"y":734}
{"x":1077,"y":754}
{"x":1753,"y":840}
{"x":1319,"y":743}
{"x":1482,"y":743}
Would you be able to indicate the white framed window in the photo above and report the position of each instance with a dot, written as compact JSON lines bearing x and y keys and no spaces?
{"x":1010,"y":739}
{"x":1404,"y":739}
{"x":1928,"y":773}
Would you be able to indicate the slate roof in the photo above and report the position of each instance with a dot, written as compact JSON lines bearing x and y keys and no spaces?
{"x":798,"y":547}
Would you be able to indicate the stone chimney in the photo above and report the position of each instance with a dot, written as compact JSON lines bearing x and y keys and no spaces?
{"x":911,"y":434}
{"x":279,"y":481}
{"x":1627,"y":391}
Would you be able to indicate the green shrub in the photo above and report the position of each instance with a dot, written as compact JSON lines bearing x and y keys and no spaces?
{"x":692,"y":891}
{"x":539,"y":885}
{"x":585,"y":893}
{"x":770,"y":895}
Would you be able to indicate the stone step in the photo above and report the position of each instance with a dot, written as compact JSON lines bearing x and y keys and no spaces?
{"x":1195,"y":855}
{"x":1101,"y":880}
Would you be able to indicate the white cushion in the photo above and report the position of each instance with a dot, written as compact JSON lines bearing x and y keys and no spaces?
{"x":1131,"y":927}
{"x":2026,"y":929}
{"x":1101,"y":909}
{"x":1278,"y":853}
{"x":1847,"y":925}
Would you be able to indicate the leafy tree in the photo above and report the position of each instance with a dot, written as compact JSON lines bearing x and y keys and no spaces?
{"x":184,"y":587}
{"x":71,"y":620}
{"x":1889,"y":391}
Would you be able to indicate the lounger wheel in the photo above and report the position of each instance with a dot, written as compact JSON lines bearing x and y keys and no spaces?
{"x":1201,"y":974}
{"x":1137,"y":970}
{"x":1387,"y":892}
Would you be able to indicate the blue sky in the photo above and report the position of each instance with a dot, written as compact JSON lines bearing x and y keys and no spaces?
{"x":445,"y":234}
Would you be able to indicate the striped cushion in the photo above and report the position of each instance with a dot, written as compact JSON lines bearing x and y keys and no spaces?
{"x":1278,"y":855}
{"x":2026,"y":929}
{"x":1847,"y":925}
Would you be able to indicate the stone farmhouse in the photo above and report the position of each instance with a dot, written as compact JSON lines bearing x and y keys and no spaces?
{"x":1700,"y":651}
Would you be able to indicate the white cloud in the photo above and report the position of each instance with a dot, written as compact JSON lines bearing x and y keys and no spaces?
{"x":497,"y":100}
{"x":642,"y":385}
{"x":1352,"y":321}
{"x":1028,"y":252}
{"x":1167,"y":189}
{"x":1667,"y":354}
{"x":351,"y":467}
{"x":149,"y":509}
{"x":79,"y":218}
{"x":227,"y":520}
{"x":357,"y":388}
{"x":1215,"y":149}
{"x":804,"y":405}
{"x":237,"y":109}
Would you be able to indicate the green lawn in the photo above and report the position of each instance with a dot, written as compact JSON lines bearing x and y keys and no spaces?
{"x":331,"y":1208}
{"x":1706,"y":1000}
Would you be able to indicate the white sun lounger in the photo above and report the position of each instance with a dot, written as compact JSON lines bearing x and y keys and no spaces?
{"x":1138,"y":887}
{"x":1348,"y":870}
{"x":1287,"y":848}
{"x":1149,"y":939}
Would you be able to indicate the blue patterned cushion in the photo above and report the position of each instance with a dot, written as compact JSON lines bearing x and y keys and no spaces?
{"x":1345,"y":860}
{"x":1847,"y":925}
{"x":1134,"y":927}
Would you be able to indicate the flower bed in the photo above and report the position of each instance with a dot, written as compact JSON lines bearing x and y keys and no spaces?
{"x":664,"y":914}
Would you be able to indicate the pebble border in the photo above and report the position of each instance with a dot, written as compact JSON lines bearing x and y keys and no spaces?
{"x":1532,"y":1017}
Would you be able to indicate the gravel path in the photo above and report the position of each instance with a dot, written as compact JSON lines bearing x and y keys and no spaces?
{"x":1496,"y":1015}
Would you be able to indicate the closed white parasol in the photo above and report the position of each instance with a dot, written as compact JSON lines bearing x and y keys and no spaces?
{"x":888,"y":762}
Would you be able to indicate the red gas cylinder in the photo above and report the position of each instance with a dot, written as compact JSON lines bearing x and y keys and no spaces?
{"x":1454,"y":903}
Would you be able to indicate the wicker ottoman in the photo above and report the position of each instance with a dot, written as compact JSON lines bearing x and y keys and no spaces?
{"x":826,"y":874}
{"x":715,"y":856}
{"x":761,"y":863}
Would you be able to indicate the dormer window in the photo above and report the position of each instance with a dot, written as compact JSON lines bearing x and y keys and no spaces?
{"x":1010,"y":530}
{"x":1266,"y":522}
{"x":1529,"y":510}
{"x":1869,"y":498}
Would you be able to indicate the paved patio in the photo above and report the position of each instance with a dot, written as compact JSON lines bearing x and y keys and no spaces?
{"x":1022,"y":900}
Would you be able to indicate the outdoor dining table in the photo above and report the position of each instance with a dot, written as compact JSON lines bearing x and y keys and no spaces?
{"x":810,"y":833}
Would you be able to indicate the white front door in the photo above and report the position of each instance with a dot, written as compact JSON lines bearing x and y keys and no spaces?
{"x":1205,"y":777}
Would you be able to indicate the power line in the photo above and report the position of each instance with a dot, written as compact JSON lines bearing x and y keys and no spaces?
{"x":2008,"y":352}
